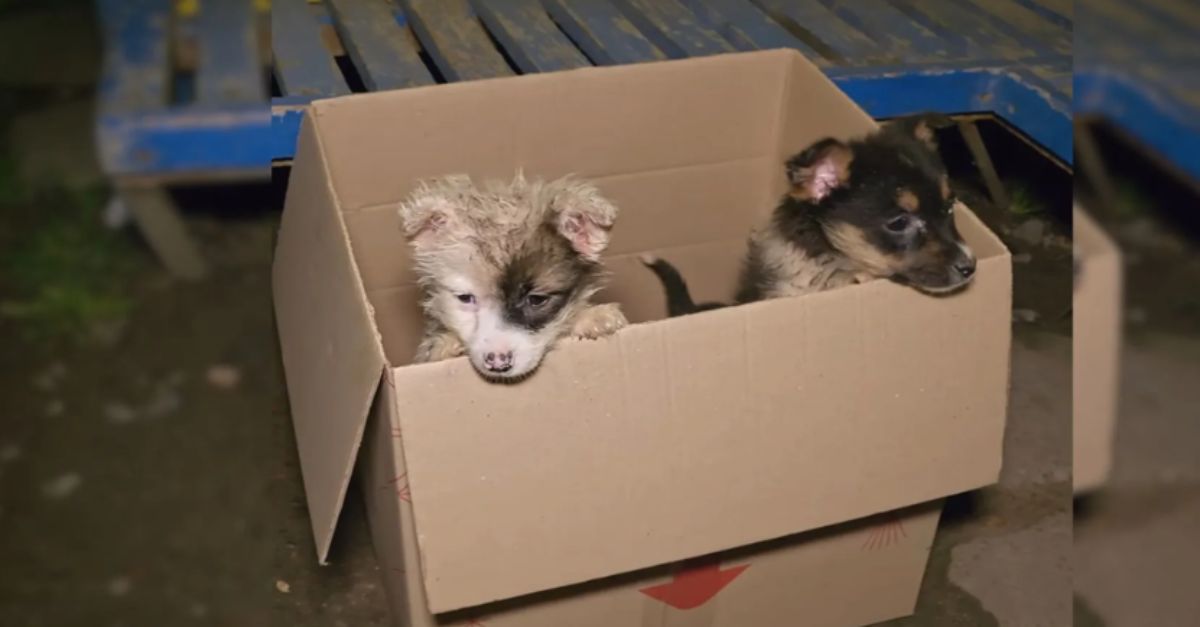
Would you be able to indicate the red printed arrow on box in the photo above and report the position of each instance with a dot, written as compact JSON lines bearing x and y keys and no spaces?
{"x":694,"y":587}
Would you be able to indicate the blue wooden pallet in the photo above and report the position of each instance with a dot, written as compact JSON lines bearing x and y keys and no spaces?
{"x":158,"y":119}
{"x":1136,"y":66}
{"x":1007,"y":57}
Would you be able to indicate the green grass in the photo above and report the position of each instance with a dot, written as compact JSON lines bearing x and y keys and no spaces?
{"x":1022,"y":200}
{"x":63,"y":272}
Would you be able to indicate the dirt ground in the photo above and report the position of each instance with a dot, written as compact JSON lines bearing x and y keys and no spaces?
{"x":148,"y":473}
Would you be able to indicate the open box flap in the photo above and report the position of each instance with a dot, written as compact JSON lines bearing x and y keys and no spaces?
{"x":1096,"y":316}
{"x":643,"y":449}
{"x":332,"y":356}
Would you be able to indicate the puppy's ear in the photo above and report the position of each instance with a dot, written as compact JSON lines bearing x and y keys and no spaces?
{"x":582,"y":216}
{"x":819,"y":169}
{"x":427,"y":214}
{"x":923,"y":127}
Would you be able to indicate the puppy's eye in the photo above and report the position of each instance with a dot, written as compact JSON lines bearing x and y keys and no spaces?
{"x":466,"y":299}
{"x":537,"y":300}
{"x":897,"y":224}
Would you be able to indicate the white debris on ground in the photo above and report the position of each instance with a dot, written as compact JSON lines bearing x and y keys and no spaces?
{"x":224,"y":376}
{"x":119,"y":413}
{"x":283,"y":586}
{"x":1025,"y":315}
{"x":49,"y":378}
{"x":9,"y":453}
{"x":119,"y":586}
{"x":1030,"y":231}
{"x":62,"y":486}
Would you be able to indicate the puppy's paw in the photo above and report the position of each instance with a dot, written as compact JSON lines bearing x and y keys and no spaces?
{"x":440,"y":347}
{"x":599,"y":321}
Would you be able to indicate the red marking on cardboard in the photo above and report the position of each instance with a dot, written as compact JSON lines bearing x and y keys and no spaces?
{"x":401,"y":484}
{"x":694,"y":587}
{"x":883,"y":535}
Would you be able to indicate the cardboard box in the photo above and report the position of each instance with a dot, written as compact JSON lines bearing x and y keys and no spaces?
{"x":584,"y":495}
{"x":1096,"y":326}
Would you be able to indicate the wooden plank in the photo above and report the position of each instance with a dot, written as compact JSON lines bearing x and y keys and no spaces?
{"x":1056,"y":11}
{"x":384,"y":52}
{"x":952,"y":20}
{"x":1143,"y":29}
{"x":228,"y":68}
{"x":894,"y":31}
{"x":455,"y":39}
{"x":303,"y":66}
{"x":602,"y":32}
{"x":1020,"y":22}
{"x":673,"y":28}
{"x":529,"y":36}
{"x":136,"y":64}
{"x":159,"y":221}
{"x":748,"y":28}
{"x":812,"y":21}
{"x":1185,"y":14}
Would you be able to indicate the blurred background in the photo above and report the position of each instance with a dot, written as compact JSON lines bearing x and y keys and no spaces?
{"x":148,"y":472}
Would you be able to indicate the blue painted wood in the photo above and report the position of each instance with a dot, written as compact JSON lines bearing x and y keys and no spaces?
{"x":1167,"y":126}
{"x":602,"y":32}
{"x":748,"y":28}
{"x":894,"y":31}
{"x":1044,"y":118}
{"x":285,"y":131}
{"x":229,"y":70}
{"x":673,"y":28}
{"x":136,"y":62}
{"x":175,"y":142}
{"x":812,"y":21}
{"x":455,"y":40}
{"x":302,"y":64}
{"x":528,"y":35}
{"x":872,"y":55}
{"x":384,"y":52}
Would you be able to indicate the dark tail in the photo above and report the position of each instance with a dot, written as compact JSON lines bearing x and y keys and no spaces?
{"x":679,"y":299}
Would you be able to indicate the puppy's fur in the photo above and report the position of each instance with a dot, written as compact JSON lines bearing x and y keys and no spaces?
{"x":507,"y":269}
{"x":880,"y":206}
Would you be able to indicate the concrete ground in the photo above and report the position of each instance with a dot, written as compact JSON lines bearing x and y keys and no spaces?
{"x":148,"y":474}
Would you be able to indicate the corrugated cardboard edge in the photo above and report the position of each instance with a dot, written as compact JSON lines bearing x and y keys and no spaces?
{"x":1096,"y":317}
{"x":332,"y":354}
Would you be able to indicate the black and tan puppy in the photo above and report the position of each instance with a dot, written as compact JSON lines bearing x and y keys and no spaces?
{"x":880,"y":206}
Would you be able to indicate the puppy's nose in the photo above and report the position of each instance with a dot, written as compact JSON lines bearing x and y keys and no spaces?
{"x":965,"y":267}
{"x":498,"y":362}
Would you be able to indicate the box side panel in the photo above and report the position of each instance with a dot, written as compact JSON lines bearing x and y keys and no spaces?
{"x":789,"y":414}
{"x":385,"y":491}
{"x":1096,"y":316}
{"x":332,"y":356}
{"x":685,"y":113}
{"x":857,"y":573}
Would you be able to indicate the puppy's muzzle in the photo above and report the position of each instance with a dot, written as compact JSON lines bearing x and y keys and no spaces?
{"x":498,"y":363}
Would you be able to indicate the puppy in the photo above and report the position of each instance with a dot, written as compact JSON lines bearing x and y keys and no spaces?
{"x":880,"y":206}
{"x":507,"y":269}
